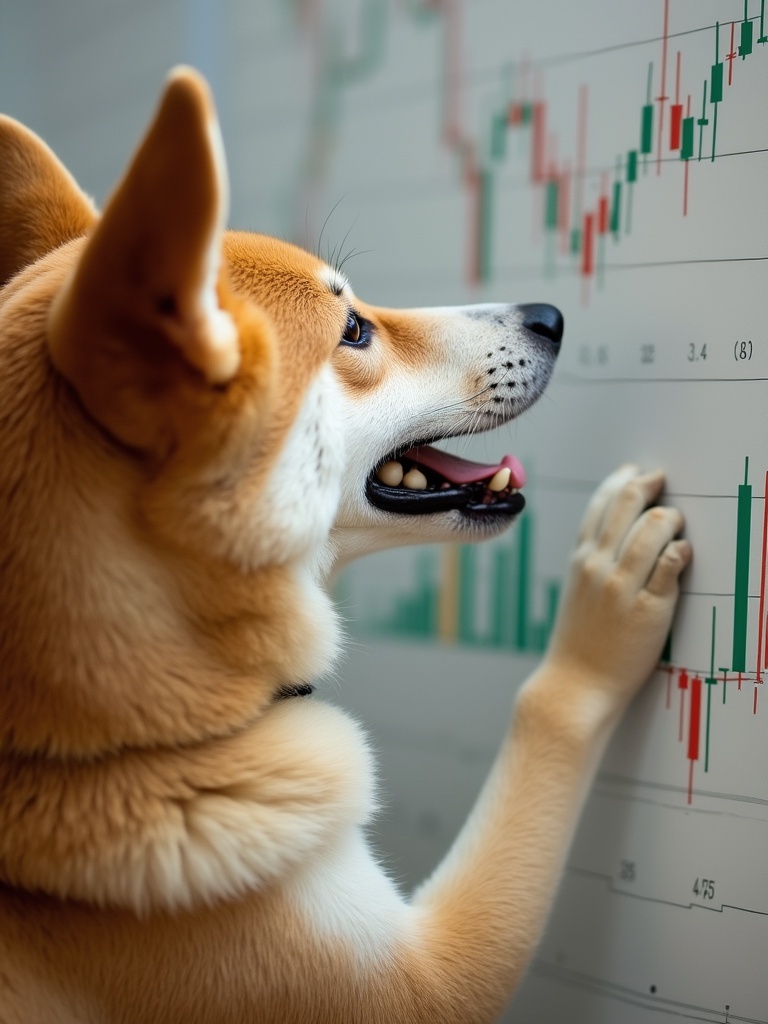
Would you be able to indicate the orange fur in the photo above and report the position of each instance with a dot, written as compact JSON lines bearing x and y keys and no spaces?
{"x":177,"y":844}
{"x":41,"y":207}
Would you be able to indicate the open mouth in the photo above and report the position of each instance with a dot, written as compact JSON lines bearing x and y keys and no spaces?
{"x":424,"y":479}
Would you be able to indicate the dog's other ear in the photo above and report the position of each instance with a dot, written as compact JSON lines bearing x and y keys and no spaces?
{"x":140,"y":317}
{"x":40,"y":204}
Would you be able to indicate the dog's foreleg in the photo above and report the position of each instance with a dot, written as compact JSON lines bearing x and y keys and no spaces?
{"x":479,"y":916}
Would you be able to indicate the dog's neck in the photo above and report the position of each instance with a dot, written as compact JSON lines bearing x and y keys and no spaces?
{"x":178,"y":828}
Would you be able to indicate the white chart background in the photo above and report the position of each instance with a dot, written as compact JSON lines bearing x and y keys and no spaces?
{"x":630,"y":940}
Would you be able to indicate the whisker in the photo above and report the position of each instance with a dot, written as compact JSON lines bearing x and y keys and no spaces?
{"x":354,"y":252}
{"x":463,"y":401}
{"x":340,"y":248}
{"x":325,"y":224}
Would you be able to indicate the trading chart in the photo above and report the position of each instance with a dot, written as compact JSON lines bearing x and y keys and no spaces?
{"x":611,"y":159}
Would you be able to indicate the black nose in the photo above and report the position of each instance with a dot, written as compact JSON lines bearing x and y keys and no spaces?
{"x":544,"y":320}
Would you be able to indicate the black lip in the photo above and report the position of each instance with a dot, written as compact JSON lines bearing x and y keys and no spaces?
{"x":465,"y":498}
{"x":468,"y":498}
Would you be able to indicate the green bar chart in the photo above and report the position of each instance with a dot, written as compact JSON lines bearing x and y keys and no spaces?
{"x":476,"y":598}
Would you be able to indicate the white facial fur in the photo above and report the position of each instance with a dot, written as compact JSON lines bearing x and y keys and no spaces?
{"x":467,"y":388}
{"x":303,"y":492}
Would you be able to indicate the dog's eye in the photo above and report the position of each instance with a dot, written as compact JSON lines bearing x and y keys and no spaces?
{"x":356,"y":332}
{"x":352,"y":330}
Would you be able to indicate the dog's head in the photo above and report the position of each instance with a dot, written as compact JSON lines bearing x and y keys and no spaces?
{"x":195,"y":427}
{"x":424,"y":375}
{"x":405,"y":378}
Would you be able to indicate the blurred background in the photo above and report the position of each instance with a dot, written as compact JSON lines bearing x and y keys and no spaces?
{"x":609,"y":158}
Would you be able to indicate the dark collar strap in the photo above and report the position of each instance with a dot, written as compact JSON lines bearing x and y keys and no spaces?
{"x":294,"y":690}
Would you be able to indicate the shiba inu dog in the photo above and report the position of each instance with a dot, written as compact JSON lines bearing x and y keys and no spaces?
{"x":197,"y":427}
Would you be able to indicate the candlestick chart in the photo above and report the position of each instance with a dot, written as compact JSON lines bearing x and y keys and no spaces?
{"x":610,"y":159}
{"x":579,"y":203}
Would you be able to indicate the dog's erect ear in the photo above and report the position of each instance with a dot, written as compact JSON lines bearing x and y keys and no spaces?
{"x":141,"y":310}
{"x":40,"y":204}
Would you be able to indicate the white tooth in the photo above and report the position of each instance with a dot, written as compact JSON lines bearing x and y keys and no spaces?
{"x":500,"y":480}
{"x":415,"y":480}
{"x":391,"y":474}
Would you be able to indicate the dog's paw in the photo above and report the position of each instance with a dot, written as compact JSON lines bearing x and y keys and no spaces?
{"x":622,"y":588}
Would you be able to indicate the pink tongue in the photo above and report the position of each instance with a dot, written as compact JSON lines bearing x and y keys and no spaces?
{"x":462,"y":471}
